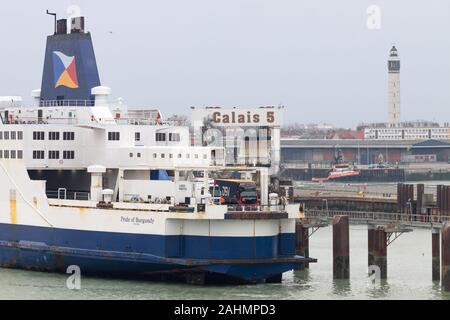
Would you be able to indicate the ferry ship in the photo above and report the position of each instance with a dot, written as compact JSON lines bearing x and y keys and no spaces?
{"x":92,"y":183}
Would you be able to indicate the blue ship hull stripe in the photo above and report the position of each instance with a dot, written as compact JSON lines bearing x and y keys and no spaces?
{"x":52,"y":249}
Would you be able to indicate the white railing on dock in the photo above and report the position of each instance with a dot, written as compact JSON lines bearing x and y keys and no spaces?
{"x":380,"y":217}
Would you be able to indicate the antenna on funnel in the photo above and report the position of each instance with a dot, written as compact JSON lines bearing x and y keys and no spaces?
{"x":54,"y":15}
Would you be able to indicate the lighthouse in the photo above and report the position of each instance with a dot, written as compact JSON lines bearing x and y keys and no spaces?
{"x":394,"y":88}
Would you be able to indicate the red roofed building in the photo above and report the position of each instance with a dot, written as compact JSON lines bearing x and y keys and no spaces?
{"x":347,"y":134}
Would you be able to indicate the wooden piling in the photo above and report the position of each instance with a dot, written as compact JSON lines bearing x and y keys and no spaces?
{"x":444,"y":201}
{"x":420,"y":193}
{"x":446,"y":257}
{"x":378,"y":249}
{"x":302,"y":244}
{"x":410,"y":198}
{"x":399,"y":197}
{"x":448,"y":200}
{"x":341,"y":247}
{"x":436,"y":254}
{"x":404,"y":197}
{"x":439,"y":197}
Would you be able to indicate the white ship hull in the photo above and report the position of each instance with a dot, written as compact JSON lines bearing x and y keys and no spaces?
{"x":134,"y":240}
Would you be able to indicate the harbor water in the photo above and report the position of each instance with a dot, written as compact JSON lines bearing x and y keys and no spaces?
{"x":409,"y":277}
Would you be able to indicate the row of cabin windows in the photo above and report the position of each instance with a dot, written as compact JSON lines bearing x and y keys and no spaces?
{"x":173,"y":137}
{"x":160,"y":137}
{"x":188,"y":156}
{"x":68,"y":136}
{"x":139,"y":155}
{"x":53,"y":155}
{"x":11,"y":135}
{"x":11,"y":154}
{"x":163,"y":156}
{"x":53,"y":136}
{"x":113,"y":136}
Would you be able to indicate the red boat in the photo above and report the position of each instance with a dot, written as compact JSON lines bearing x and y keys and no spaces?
{"x":339,"y":171}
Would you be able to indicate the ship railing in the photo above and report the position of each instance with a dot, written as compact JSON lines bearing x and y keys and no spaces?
{"x":63,"y":194}
{"x":67,"y":103}
{"x":149,"y":122}
{"x":256,"y":208}
{"x":43,"y":121}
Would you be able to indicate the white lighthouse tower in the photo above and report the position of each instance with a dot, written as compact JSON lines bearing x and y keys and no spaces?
{"x":394,"y":88}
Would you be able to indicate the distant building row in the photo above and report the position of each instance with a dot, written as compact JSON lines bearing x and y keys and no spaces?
{"x":407,"y":133}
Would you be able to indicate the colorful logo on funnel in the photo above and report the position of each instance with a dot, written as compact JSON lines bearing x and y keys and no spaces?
{"x":65,"y":70}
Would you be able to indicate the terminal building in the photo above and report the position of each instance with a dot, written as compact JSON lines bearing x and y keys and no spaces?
{"x":303,"y":152}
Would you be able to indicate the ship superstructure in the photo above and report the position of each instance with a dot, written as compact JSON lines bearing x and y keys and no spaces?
{"x":86,"y":182}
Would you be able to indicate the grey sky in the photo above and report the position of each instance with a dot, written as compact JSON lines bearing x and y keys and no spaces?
{"x":316,"y":57}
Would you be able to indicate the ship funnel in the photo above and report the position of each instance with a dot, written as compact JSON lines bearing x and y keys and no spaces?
{"x":70,"y":67}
